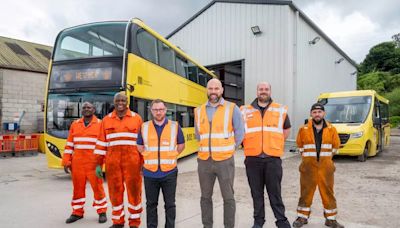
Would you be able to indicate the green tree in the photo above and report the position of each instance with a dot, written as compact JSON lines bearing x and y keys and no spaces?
{"x":394,"y":99}
{"x":376,"y":81}
{"x":382,"y":57}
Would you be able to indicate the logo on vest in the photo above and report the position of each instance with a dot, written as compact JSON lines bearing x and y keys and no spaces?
{"x":165,"y":143}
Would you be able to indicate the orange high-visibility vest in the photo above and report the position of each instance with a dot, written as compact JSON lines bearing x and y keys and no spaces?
{"x":161,"y":152}
{"x":306,"y":143}
{"x":81,"y":141}
{"x":264,"y":134}
{"x":216,"y":137}
{"x":117,"y":135}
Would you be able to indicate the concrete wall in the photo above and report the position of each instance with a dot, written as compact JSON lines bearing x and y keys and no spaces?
{"x":22,"y":91}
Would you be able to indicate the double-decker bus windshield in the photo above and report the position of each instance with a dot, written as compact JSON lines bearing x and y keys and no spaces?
{"x":64,"y":108}
{"x":91,"y":40}
{"x":347,"y":109}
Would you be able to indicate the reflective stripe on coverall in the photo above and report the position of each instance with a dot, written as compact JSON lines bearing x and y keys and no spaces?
{"x":78,"y":153}
{"x":117,"y":146}
{"x":315,"y":173}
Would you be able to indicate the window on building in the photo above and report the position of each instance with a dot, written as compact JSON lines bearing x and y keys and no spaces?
{"x":17,"y":49}
{"x":44,"y":52}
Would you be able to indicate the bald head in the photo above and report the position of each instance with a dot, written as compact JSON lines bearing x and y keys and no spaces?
{"x":214,"y":82}
{"x":263,"y":92}
{"x":214,"y":90}
{"x":264,"y":84}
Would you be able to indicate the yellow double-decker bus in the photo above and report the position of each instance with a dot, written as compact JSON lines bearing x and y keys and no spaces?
{"x":92,"y":62}
{"x":362,"y":120}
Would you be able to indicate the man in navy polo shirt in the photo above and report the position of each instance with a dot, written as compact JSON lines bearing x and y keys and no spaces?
{"x":160,"y":142}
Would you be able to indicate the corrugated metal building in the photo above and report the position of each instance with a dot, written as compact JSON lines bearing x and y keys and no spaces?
{"x":23,"y":75}
{"x":249,"y":41}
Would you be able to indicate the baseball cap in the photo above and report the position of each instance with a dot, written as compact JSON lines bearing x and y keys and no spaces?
{"x":317,"y":106}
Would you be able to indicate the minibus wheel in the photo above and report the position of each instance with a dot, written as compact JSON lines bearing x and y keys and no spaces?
{"x":363,"y":157}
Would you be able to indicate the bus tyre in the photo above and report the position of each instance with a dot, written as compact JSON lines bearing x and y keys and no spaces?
{"x":363,"y":157}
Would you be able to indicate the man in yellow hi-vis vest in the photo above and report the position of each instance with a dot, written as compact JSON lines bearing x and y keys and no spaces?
{"x":219,"y":130}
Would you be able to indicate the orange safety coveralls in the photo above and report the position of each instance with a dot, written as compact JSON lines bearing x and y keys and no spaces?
{"x":79,"y":154}
{"x":116,"y":146}
{"x":315,"y":173}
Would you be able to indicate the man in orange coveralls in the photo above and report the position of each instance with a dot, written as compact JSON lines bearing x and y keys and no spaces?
{"x":79,"y":158}
{"x":116,"y":146}
{"x":317,"y":141}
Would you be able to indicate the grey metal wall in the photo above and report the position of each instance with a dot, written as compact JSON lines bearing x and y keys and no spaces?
{"x":223,"y":33}
{"x":317,"y":71}
{"x":280,"y":55}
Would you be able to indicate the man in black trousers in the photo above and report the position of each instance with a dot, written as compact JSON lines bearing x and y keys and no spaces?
{"x":266,"y":128}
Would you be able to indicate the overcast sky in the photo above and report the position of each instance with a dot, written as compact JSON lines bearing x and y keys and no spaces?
{"x":354,"y":25}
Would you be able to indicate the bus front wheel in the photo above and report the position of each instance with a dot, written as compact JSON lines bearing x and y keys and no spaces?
{"x":363,"y":157}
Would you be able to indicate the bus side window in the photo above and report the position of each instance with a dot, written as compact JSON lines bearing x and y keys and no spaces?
{"x":384,"y":113}
{"x":141,"y":107}
{"x":203,"y":78}
{"x":166,"y":56}
{"x":181,"y":66}
{"x":147,"y":45}
{"x":192,"y":73}
{"x":171,"y":111}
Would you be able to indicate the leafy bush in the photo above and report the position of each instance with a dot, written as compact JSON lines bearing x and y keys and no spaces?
{"x":394,"y":102}
{"x":394,"y":121}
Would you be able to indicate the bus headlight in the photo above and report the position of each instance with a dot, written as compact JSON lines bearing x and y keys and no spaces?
{"x":356,"y":135}
{"x":53,"y":149}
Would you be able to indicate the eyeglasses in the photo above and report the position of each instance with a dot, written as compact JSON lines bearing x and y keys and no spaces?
{"x":158,"y":110}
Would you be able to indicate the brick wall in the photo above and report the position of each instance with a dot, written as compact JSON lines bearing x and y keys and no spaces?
{"x":23,"y":91}
{"x":1,"y":96}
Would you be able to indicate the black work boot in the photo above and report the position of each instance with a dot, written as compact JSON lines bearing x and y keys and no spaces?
{"x":102,"y":218}
{"x":333,"y":223}
{"x":299,"y":222}
{"x":117,"y":226}
{"x":73,"y":218}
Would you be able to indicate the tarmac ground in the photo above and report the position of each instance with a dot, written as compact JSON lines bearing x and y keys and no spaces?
{"x":368,"y":194}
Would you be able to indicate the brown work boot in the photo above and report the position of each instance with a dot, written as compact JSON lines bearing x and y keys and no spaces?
{"x":300,"y":222}
{"x":333,"y":223}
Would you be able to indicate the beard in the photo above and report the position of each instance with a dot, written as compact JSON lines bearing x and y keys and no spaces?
{"x":264,"y":98}
{"x":214,"y":98}
{"x":317,"y":122}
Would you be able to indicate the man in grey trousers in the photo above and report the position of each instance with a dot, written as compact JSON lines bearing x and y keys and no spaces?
{"x":219,"y":129}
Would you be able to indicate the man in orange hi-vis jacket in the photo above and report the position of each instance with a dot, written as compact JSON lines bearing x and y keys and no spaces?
{"x":79,"y":158}
{"x":317,"y":141}
{"x":116,"y":146}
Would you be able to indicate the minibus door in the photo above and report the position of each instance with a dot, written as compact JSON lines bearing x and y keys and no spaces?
{"x":377,"y":122}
